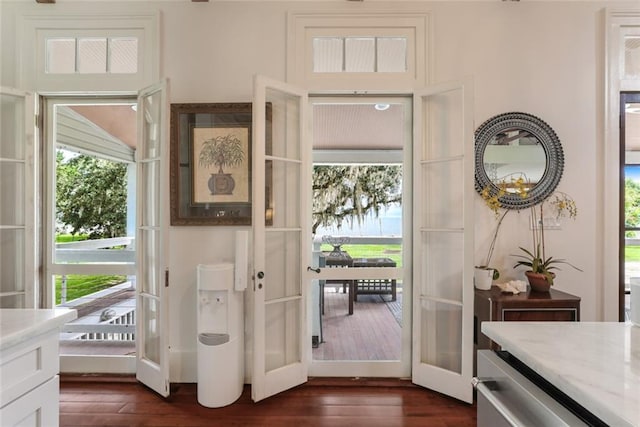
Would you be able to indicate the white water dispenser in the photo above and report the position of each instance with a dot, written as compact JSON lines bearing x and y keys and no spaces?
{"x":220,"y":336}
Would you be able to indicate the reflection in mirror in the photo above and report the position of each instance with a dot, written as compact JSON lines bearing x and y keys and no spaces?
{"x":514,"y":145}
{"x":514,"y":152}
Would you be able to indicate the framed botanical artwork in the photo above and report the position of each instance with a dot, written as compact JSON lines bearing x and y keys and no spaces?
{"x":211,"y":164}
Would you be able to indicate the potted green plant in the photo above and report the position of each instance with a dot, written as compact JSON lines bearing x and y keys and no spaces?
{"x":540,"y":267}
{"x":222,"y":150}
{"x":485,"y":273}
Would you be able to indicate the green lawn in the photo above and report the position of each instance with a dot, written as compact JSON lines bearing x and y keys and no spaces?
{"x":632,"y":253}
{"x":81,"y":285}
{"x":66,"y":238}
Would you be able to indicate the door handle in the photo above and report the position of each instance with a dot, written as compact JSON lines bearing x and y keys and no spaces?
{"x":317,"y":270}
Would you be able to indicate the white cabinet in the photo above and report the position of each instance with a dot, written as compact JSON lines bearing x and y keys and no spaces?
{"x":29,"y":365}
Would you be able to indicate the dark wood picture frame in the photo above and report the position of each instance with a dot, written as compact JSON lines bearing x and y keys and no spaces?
{"x":205,"y":139}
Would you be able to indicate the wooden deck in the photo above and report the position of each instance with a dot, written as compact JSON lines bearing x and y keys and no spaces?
{"x":371,"y":333}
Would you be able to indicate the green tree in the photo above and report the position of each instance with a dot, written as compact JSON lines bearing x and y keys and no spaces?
{"x":348,"y":193}
{"x":91,"y":196}
{"x":631,"y":204}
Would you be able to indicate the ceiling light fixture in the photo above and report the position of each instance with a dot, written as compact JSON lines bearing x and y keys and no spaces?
{"x":382,"y":107}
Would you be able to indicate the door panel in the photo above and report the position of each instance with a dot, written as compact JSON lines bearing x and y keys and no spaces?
{"x":280,"y":176}
{"x":443,"y":240}
{"x":17,"y":260}
{"x":152,"y":334}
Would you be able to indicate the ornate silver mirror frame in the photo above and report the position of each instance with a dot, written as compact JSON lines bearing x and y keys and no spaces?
{"x":535,"y":152}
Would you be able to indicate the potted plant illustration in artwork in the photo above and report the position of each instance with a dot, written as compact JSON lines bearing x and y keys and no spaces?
{"x":221,"y":151}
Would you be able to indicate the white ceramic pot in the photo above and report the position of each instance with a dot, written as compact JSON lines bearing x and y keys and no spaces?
{"x":483,"y":278}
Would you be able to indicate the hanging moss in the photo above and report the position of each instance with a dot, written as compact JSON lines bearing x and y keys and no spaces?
{"x":350,"y":193}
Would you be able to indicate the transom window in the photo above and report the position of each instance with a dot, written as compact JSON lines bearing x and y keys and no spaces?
{"x":355,"y":52}
{"x":91,"y":55}
{"x":359,"y":54}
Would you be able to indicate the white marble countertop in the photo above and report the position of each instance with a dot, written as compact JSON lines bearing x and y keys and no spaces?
{"x":18,"y":325}
{"x":595,"y":363}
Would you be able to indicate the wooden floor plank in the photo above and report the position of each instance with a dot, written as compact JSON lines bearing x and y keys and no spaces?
{"x":371,"y":333}
{"x":320,"y":402}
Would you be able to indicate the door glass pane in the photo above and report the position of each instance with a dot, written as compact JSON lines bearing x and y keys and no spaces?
{"x":151,"y":109}
{"x":283,"y":253}
{"x":12,"y":249}
{"x":284,"y":203}
{"x":150,"y":187}
{"x":150,"y":328}
{"x":441,"y":339}
{"x":283,"y":123}
{"x":12,"y":122}
{"x":440,"y":265}
{"x":148,"y":267}
{"x":282,"y":322}
{"x":13,"y":191}
{"x":441,"y":129}
{"x":441,"y":183}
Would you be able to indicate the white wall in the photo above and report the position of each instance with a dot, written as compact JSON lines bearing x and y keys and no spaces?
{"x":543,"y":58}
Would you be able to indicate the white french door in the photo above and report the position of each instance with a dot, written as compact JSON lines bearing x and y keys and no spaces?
{"x":152,"y":334}
{"x":282,"y":236}
{"x":17,"y":198}
{"x":443,"y":240}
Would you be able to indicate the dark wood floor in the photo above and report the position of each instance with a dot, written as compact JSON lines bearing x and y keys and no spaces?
{"x":320,"y":402}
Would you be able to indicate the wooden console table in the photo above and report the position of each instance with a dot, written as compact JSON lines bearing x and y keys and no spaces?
{"x":493,"y":305}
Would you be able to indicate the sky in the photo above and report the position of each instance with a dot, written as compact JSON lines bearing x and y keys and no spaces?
{"x":632,"y":172}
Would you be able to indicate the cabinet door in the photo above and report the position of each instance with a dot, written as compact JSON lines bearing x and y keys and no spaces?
{"x":38,"y":408}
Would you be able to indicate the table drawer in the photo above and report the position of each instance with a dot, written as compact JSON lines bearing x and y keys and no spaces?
{"x":27,"y":365}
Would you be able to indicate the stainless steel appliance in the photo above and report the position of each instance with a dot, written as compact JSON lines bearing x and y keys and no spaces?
{"x":511,"y":394}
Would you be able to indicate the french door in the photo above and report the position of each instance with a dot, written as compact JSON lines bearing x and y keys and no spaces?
{"x":152,"y":332}
{"x":443,"y":246}
{"x":281,"y":173}
{"x":442,"y":355}
{"x":17,"y":223}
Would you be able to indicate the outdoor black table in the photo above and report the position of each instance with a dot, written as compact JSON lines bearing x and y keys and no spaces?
{"x":374,"y":286}
{"x":339,"y":260}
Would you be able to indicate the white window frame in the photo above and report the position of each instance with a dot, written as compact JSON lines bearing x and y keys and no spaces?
{"x":618,"y":23}
{"x":302,"y":28}
{"x":37,"y":28}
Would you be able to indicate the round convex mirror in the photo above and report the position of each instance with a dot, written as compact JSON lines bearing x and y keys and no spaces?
{"x":514,"y":145}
